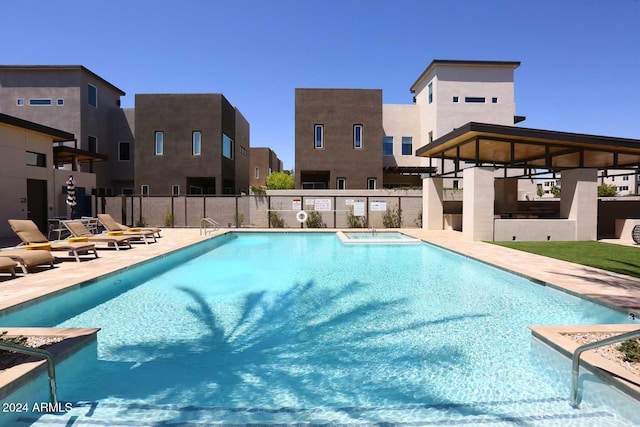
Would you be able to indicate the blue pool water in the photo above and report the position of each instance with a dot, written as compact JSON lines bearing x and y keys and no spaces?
{"x":284,"y":328}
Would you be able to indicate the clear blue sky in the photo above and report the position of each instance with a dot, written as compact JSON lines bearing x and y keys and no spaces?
{"x":580,"y":68}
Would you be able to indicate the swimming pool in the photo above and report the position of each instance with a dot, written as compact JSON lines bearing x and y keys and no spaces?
{"x":297,"y":327}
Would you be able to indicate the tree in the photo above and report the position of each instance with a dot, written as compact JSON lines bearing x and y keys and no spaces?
{"x":555,"y":190}
{"x":280,"y":181}
{"x":605,"y":190}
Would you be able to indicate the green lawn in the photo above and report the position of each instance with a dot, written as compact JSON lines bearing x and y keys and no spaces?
{"x":610,"y":257}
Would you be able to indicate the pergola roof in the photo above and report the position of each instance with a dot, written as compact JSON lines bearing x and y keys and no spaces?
{"x":516,"y":147}
{"x":63,"y":155}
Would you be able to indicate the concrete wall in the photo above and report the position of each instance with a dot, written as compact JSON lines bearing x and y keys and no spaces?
{"x":532,"y":230}
{"x":338,"y":110}
{"x":178,"y":116}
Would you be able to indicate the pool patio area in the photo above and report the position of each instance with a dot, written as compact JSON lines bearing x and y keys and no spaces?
{"x":609,"y":288}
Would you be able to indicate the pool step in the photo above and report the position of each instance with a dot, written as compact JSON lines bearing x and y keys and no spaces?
{"x":538,"y":412}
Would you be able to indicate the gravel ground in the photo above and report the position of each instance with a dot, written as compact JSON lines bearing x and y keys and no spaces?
{"x":9,"y":359}
{"x":609,"y":352}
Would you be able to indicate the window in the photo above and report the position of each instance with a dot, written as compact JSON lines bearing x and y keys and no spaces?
{"x":60,"y":102}
{"x":39,"y":101}
{"x":456,"y":184}
{"x":430,"y":137}
{"x":19,"y":102}
{"x":341,"y":183}
{"x":159,"y":143}
{"x":371,"y":183}
{"x":430,"y":92}
{"x":625,"y":178}
{"x":357,"y":136}
{"x":494,"y":100}
{"x":476,"y":99}
{"x":269,"y":172}
{"x":319,"y":137}
{"x":407,"y":146}
{"x":36,"y":159}
{"x":455,"y":99}
{"x":124,"y":151}
{"x":243,"y":151}
{"x":92,"y":144}
{"x":257,"y":173}
{"x":175,"y":190}
{"x":128,"y":191}
{"x":227,"y":147}
{"x":387,"y":146}
{"x":196,"y":138}
{"x":144,"y":189}
{"x":92,"y":95}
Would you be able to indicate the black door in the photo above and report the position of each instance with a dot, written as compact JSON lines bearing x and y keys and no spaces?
{"x":37,"y":202}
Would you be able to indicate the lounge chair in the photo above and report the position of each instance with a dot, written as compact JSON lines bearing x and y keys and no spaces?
{"x":111,"y":225}
{"x":7,"y":264}
{"x":27,"y":259}
{"x":28,"y":232}
{"x":79,"y":230}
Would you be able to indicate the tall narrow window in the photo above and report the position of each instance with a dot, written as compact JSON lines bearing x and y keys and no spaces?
{"x":227,"y":147}
{"x":175,"y":190}
{"x":319,"y":137}
{"x":256,"y":173}
{"x":92,"y":144}
{"x":196,"y":138}
{"x":371,"y":183}
{"x":159,"y":146}
{"x":430,"y":137}
{"x":144,"y":189}
{"x":92,"y":95}
{"x":430,"y":92}
{"x":387,"y":146}
{"x":341,"y":183}
{"x":124,"y":151}
{"x":407,"y":145}
{"x":357,"y":136}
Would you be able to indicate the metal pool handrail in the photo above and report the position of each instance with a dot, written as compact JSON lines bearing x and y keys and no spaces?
{"x":208,"y":222}
{"x":51,"y":365}
{"x":591,"y":346}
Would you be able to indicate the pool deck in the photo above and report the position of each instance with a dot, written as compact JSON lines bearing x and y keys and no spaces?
{"x":615,"y":290}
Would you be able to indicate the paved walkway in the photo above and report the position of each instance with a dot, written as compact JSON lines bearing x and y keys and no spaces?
{"x":610,"y":288}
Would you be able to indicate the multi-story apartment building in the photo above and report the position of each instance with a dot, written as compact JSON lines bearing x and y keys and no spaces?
{"x":447,"y":95}
{"x":262,"y":162}
{"x":190,"y":144}
{"x":338,"y":134}
{"x":76,"y":100}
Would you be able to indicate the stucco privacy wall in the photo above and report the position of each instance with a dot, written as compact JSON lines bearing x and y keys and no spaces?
{"x":187,"y":211}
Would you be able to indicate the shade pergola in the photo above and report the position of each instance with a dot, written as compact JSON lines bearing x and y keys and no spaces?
{"x":484,"y":144}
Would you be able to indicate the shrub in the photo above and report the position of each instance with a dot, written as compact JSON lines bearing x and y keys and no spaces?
{"x":275,"y":219}
{"x":605,"y":190}
{"x":239,"y":219}
{"x":314,"y":220}
{"x":280,"y":181}
{"x":418,"y":220}
{"x":355,"y":221}
{"x":392,"y":217}
{"x":142,"y":222}
{"x":169,"y":218}
{"x":631,"y":350}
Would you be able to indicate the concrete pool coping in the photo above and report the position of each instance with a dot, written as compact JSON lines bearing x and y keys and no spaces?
{"x":614,"y":290}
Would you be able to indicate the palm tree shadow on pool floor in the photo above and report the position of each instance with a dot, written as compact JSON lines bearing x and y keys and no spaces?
{"x":305,"y":348}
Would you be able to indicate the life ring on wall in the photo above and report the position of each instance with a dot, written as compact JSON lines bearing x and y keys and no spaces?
{"x":301,"y":216}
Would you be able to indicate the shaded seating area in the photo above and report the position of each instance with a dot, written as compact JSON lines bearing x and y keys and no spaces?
{"x":79,"y":230}
{"x":31,"y":236}
{"x":27,"y":259}
{"x":143,"y":233}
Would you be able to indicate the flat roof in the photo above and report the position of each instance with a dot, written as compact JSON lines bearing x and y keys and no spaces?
{"x":516,"y":147}
{"x":62,"y":67}
{"x":57,"y":134}
{"x":455,"y":62}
